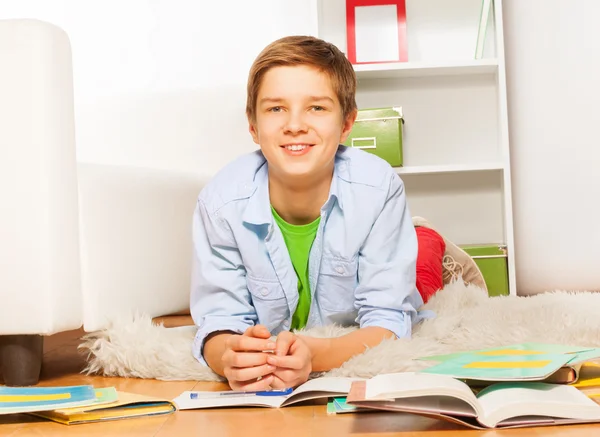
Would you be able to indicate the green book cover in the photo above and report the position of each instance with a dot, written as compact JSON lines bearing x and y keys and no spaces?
{"x":501,"y":367}
{"x":520,"y":349}
{"x":338,"y":405}
{"x":583,"y":356}
{"x":330,"y":407}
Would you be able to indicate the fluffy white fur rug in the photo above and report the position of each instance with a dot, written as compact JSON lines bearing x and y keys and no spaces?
{"x":466,"y":318}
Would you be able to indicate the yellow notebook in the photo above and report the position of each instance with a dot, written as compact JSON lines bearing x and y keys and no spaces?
{"x":128,"y":405}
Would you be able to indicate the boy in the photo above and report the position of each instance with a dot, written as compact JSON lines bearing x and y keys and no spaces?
{"x":304,"y":232}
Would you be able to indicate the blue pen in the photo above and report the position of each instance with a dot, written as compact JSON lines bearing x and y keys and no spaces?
{"x":204,"y":395}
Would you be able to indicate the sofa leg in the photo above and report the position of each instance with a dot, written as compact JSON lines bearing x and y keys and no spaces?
{"x":21,"y":359}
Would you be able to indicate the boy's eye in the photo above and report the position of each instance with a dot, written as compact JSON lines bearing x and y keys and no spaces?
{"x":275,"y":109}
{"x":318,"y":108}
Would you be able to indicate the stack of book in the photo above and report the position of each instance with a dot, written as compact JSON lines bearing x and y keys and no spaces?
{"x":514,"y":386}
{"x":80,"y":404}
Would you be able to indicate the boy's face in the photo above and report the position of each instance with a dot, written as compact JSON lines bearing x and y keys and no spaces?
{"x":299,"y":122}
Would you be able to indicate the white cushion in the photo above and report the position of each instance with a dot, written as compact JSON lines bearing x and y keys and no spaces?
{"x":136,"y":241}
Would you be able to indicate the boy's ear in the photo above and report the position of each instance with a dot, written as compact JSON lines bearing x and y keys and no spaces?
{"x":347,"y":126}
{"x":253,"y":131}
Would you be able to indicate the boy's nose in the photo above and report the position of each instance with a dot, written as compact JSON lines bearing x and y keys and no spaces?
{"x":295,"y":123}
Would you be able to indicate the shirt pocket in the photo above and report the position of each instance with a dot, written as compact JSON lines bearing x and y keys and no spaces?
{"x":269,"y":302}
{"x":337,"y":281}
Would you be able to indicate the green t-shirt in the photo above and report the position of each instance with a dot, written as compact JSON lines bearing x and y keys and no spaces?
{"x":299,"y":240}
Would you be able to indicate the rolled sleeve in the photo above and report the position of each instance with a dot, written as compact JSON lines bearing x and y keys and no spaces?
{"x":398,"y":322}
{"x":219,"y":299}
{"x":210,"y":327}
{"x":386,"y":295}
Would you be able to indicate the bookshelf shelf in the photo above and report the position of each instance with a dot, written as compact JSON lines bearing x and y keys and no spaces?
{"x":421,"y":69}
{"x":457,"y":168}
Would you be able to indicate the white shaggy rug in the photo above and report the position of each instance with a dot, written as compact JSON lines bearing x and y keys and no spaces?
{"x":466,"y":318}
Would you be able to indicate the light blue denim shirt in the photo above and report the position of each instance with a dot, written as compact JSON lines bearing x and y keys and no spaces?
{"x":362,"y":266}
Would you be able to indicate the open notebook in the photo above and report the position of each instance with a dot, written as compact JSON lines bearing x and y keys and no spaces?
{"x":313,"y":389}
{"x":500,"y":405}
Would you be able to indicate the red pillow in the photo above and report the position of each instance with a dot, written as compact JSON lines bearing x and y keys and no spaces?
{"x":429,"y":261}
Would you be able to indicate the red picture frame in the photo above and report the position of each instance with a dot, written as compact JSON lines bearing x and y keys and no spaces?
{"x":351,"y":6}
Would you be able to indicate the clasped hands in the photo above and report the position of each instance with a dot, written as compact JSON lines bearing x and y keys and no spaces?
{"x":249,"y":364}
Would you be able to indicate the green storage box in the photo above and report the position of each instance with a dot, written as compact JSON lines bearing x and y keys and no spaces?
{"x":492,"y":261}
{"x":379,"y":131}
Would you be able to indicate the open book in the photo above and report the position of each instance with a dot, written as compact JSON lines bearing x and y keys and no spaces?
{"x":312,"y":389}
{"x":110,"y":405}
{"x":500,"y":405}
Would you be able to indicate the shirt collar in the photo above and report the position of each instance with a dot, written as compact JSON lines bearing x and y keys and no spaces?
{"x":340,"y":171}
{"x":258,"y":210}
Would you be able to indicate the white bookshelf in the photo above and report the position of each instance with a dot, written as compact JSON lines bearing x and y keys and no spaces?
{"x":455,"y":145}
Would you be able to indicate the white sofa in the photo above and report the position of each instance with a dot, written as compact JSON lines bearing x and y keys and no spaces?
{"x":80,"y":244}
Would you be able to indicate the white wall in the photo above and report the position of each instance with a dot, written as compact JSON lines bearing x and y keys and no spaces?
{"x":161,"y":83}
{"x":553,"y":61}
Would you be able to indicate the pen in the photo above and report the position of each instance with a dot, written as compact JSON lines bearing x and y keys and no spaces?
{"x":204,"y":395}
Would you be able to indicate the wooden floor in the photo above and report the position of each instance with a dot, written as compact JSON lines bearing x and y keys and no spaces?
{"x":63,"y":364}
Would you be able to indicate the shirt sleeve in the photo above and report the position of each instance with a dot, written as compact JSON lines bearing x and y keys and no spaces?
{"x":386,"y":295}
{"x":219,"y":300}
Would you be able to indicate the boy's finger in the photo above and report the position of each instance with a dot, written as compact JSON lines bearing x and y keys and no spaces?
{"x":246,"y":359}
{"x":242,"y":343}
{"x":261,"y":384}
{"x":284,"y":341}
{"x":287,"y":362}
{"x":249,"y":373}
{"x":277,"y":383}
{"x":258,"y":331}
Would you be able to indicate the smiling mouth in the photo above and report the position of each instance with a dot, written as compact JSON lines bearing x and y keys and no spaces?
{"x":297,"y":147}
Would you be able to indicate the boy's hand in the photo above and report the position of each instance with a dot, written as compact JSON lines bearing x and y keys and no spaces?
{"x":292,"y":359}
{"x":245,"y":362}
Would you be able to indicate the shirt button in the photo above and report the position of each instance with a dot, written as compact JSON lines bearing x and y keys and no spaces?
{"x":339,"y":269}
{"x":264,"y":291}
{"x":342,"y":166}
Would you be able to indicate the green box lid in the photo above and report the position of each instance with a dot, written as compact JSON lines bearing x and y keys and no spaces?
{"x":391,"y":112}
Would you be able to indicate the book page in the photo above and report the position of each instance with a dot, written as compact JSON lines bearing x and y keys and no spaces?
{"x":319,"y":388}
{"x":509,"y":400}
{"x":449,"y":406}
{"x":420,"y":385}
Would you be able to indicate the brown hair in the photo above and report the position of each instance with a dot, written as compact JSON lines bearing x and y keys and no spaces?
{"x":304,"y":50}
